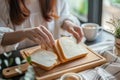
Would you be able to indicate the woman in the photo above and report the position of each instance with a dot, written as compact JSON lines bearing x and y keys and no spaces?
{"x":26,"y":22}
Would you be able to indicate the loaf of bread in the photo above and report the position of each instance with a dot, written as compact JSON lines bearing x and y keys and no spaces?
{"x":65,"y":49}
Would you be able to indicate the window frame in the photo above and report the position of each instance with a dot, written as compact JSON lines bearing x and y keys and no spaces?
{"x":94,"y":12}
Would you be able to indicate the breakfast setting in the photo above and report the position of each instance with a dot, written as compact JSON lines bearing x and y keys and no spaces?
{"x":59,"y":40}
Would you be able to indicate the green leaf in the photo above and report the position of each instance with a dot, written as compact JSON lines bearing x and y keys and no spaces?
{"x":11,"y":61}
{"x":29,"y":59}
{"x":115,"y":21}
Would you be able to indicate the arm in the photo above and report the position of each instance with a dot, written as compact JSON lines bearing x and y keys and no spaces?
{"x":10,"y":38}
{"x":69,"y":22}
{"x":72,"y":28}
{"x":39,"y":35}
{"x":7,"y":48}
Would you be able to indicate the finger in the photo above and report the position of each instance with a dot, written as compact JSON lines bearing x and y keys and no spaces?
{"x":44,"y":44}
{"x":78,"y":30}
{"x":35,"y":40}
{"x":43,"y":47}
{"x":41,"y":39}
{"x":35,"y":37}
{"x":43,"y":35}
{"x":75,"y":34}
{"x":48,"y":34}
{"x":52,"y":41}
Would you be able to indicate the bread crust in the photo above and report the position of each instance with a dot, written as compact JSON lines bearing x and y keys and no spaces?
{"x":44,"y":67}
{"x":58,"y":51}
{"x":63,"y":56}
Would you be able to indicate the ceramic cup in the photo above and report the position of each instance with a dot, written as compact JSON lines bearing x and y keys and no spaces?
{"x":71,"y":76}
{"x":91,"y":31}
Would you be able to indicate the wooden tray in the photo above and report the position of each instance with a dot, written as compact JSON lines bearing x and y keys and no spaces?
{"x":91,"y":60}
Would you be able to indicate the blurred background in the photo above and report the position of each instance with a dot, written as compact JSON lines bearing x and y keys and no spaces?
{"x":97,"y":11}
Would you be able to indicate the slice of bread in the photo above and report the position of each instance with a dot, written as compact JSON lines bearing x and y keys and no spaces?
{"x":65,"y":49}
{"x":57,"y":51}
{"x":70,"y":49}
{"x":45,"y":59}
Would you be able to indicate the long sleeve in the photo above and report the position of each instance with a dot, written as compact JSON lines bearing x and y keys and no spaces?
{"x":6,"y":48}
{"x":4,"y":26}
{"x":64,"y":14}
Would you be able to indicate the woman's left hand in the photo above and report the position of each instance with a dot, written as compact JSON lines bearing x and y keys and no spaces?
{"x":74,"y":29}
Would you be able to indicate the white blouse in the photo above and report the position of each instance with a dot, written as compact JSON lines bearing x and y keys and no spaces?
{"x":34,"y":20}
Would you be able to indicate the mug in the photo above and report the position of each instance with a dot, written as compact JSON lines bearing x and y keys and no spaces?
{"x":71,"y":76}
{"x":91,"y":31}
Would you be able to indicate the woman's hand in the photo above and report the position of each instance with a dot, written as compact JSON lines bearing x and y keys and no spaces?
{"x":73,"y":29}
{"x":40,"y":35}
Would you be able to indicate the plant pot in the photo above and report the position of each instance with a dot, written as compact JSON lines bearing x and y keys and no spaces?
{"x":117,"y":46}
{"x":116,"y":51}
{"x":117,"y":41}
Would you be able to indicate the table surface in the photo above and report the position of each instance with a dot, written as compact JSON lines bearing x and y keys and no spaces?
{"x":102,"y":37}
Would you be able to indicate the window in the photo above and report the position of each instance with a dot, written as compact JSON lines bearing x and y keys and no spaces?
{"x":87,"y":10}
{"x":79,"y":8}
{"x":110,"y":8}
{"x":96,"y":11}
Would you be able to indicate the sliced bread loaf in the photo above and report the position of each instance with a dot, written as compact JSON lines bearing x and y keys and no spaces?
{"x":65,"y":49}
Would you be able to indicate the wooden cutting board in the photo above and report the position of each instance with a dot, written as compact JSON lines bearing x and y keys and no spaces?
{"x":90,"y":61}
{"x":11,"y":72}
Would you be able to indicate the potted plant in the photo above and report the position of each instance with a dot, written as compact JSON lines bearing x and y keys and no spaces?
{"x":115,"y":22}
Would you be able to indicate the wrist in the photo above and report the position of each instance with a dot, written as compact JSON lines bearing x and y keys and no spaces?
{"x":64,"y":24}
{"x":23,"y":33}
{"x":67,"y":23}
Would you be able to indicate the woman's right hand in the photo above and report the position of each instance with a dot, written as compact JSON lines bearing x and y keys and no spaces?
{"x":40,"y":35}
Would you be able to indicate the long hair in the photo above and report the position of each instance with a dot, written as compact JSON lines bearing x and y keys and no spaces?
{"x":19,"y":12}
